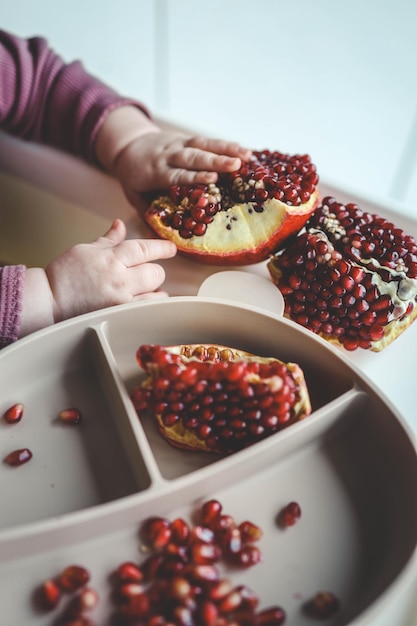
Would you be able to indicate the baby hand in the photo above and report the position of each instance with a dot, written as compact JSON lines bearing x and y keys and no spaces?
{"x":111,"y":270}
{"x":146,"y":157}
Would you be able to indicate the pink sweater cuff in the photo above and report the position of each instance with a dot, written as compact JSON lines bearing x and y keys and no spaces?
{"x":11,"y":299}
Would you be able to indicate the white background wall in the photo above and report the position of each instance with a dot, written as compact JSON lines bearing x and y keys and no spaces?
{"x":332,"y":78}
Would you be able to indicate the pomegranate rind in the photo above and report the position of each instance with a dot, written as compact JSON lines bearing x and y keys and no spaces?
{"x":238,"y":235}
{"x":182,"y":437}
{"x":393,"y":330}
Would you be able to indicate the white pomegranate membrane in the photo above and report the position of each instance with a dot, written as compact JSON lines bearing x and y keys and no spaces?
{"x":349,"y":276}
{"x":217,"y":399}
{"x":244,"y":216}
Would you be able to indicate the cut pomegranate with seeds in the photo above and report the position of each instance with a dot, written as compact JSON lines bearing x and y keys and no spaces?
{"x":18,"y":457}
{"x":349,"y":276}
{"x":14,"y":414}
{"x":218,"y":399}
{"x":323,"y":605}
{"x":244,"y":216}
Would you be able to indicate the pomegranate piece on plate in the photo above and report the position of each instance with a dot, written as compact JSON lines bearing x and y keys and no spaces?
{"x":242,"y":218}
{"x":217,"y":399}
{"x":349,"y":276}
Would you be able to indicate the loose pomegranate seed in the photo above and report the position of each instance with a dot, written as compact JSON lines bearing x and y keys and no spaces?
{"x":73,"y":577}
{"x":323,"y":605}
{"x":180,"y":531}
{"x":248,"y":556}
{"x":208,"y":613}
{"x":205,"y":553}
{"x":14,"y":414}
{"x":18,"y":457}
{"x":274,"y":616}
{"x":70,"y":416}
{"x":220,"y":590}
{"x":290,"y":514}
{"x":49,"y":594}
{"x":230,"y":603}
{"x":87,"y":599}
{"x":129,"y":572}
{"x":156,"y":532}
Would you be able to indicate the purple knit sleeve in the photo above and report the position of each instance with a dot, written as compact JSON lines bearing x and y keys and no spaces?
{"x":11,"y":297}
{"x":43,"y":99}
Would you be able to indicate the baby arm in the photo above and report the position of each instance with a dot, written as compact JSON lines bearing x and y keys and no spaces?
{"x":109,"y":271}
{"x":144,"y":156}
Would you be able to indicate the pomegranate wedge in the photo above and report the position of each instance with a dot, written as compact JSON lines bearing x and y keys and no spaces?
{"x":245,"y":216}
{"x":218,"y":399}
{"x":349,"y":276}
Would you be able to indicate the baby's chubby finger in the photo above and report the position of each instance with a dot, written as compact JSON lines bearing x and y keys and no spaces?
{"x":219,"y":146}
{"x":132,"y":252}
{"x":145,"y":278}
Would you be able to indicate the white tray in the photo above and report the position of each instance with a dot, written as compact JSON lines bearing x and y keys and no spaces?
{"x":352,"y":465}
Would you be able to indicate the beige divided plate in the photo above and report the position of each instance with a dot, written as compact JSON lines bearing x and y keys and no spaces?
{"x":351,"y":465}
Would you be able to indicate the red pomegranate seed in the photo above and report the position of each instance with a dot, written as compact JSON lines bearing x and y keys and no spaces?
{"x":203,"y":573}
{"x":208,"y":613}
{"x":248,"y":556}
{"x":87,"y":599}
{"x":136,"y":605}
{"x":290,"y":514}
{"x":250,"y":599}
{"x":323,"y":605}
{"x":274,"y":616}
{"x":180,"y":531}
{"x":210,"y":511}
{"x":130,"y":589}
{"x":152,"y":566}
{"x":220,"y":589}
{"x":201,"y":534}
{"x":205,"y":553}
{"x":230,"y":603}
{"x":49,"y":594}
{"x":179,"y":588}
{"x":14,"y":414}
{"x":18,"y":457}
{"x":156,"y":532}
{"x":231,"y":541}
{"x":70,"y":416}
{"x":129,"y":572}
{"x":73,"y":577}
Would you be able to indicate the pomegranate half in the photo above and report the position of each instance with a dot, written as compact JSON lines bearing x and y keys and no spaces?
{"x":245,"y":216}
{"x":349,"y":276}
{"x":218,"y":399}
